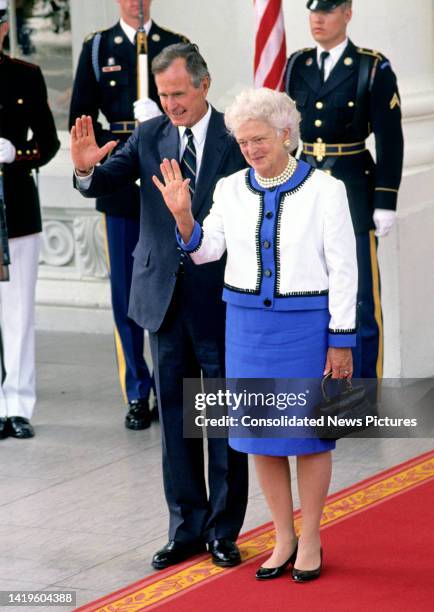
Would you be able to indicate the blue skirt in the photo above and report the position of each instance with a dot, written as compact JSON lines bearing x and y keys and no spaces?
{"x":276,"y":344}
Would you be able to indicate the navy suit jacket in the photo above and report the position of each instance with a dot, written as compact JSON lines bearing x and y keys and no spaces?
{"x":157,"y":255}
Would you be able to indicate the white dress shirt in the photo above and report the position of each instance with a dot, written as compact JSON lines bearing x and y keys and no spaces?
{"x":333,"y":58}
{"x":130,"y":32}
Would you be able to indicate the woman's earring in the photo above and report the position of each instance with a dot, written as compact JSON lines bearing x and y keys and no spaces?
{"x":287,"y":143}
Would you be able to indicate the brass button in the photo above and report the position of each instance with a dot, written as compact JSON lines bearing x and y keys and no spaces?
{"x":35,"y":151}
{"x":328,"y":171}
{"x":320,"y":158}
{"x":351,"y":104}
{"x":319,"y":105}
{"x":19,"y":152}
{"x":20,"y":101}
{"x":112,"y":83}
{"x":318,"y":123}
{"x":27,"y":152}
{"x":367,"y":172}
{"x":319,"y":139}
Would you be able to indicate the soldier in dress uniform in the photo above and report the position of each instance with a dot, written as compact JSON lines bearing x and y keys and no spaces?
{"x":106,"y":82}
{"x":344,"y":93}
{"x":23,"y":109}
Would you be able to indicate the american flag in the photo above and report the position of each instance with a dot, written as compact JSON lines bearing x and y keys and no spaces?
{"x":270,"y":48}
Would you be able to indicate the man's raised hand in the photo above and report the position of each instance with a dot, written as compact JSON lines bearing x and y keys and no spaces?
{"x":85,"y":152}
{"x":176,"y":194}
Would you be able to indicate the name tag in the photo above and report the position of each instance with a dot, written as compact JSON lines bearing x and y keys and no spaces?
{"x":111,"y":68}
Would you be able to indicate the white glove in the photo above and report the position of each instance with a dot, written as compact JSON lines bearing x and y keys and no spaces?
{"x":7,"y":151}
{"x":145,"y":109}
{"x":384,"y":220}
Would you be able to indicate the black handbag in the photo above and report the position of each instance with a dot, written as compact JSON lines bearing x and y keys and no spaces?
{"x":345,"y":412}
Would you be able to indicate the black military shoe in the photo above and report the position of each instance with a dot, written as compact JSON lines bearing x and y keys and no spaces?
{"x":138,"y":416}
{"x":176,"y":552}
{"x":3,"y":428}
{"x":224,"y":552}
{"x":19,"y":427}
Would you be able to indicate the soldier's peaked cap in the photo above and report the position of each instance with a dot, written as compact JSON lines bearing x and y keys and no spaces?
{"x":324,"y":5}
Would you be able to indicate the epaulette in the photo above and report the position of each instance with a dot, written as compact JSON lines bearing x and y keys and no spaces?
{"x":305,"y":50}
{"x":181,"y":36}
{"x":371,"y":52}
{"x":91,"y":35}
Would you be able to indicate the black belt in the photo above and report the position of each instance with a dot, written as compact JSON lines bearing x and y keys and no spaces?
{"x":320,"y":149}
{"x":123,"y":127}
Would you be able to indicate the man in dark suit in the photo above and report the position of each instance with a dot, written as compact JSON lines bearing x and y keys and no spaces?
{"x":179,"y":303}
{"x":344,"y":93}
{"x":106,"y":81}
{"x":23,"y":110}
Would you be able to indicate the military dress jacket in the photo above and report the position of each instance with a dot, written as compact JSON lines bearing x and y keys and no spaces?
{"x":359,"y":97}
{"x":108,"y":83}
{"x":26,"y":120}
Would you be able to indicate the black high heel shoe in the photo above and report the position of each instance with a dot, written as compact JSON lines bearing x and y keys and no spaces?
{"x":307,"y":575}
{"x":267,"y":573}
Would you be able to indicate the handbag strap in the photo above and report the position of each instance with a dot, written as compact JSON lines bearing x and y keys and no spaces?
{"x":324,"y":381}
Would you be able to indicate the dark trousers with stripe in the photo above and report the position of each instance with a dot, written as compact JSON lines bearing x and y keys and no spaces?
{"x":191,"y":341}
{"x":368,"y":355}
{"x":122,"y":237}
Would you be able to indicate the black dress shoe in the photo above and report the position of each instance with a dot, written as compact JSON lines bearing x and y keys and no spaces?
{"x":3,"y":428}
{"x":224,"y":552}
{"x":267,"y":573}
{"x":19,"y":427}
{"x":138,"y":416}
{"x":176,"y":552}
{"x":307,"y":575}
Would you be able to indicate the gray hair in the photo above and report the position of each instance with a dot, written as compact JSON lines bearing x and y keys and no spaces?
{"x":274,"y":107}
{"x":194,"y":62}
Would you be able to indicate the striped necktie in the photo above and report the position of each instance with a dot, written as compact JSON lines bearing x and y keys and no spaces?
{"x":188,"y":162}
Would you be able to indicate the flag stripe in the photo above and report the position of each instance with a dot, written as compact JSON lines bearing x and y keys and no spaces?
{"x":275,"y":76}
{"x":270,"y":44}
{"x":266,"y":27}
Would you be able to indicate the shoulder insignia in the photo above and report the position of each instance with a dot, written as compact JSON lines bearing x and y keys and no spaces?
{"x":371,"y":52}
{"x":395,"y":101}
{"x":91,"y":35}
{"x":300,"y":53}
{"x":178,"y":34}
{"x":305,"y":50}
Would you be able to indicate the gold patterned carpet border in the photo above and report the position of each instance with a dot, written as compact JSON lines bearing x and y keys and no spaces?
{"x":154,"y":590}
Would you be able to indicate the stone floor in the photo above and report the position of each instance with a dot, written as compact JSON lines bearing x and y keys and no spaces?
{"x":81,"y":504}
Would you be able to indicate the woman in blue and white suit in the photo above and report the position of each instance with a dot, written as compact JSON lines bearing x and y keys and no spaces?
{"x":290,"y":289}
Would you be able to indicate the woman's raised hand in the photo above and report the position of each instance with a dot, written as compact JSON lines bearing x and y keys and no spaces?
{"x":175,"y":190}
{"x":85,"y":152}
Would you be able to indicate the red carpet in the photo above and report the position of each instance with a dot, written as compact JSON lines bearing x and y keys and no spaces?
{"x":378,"y":540}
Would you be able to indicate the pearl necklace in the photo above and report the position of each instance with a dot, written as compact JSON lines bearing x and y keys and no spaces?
{"x":275,"y":181}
